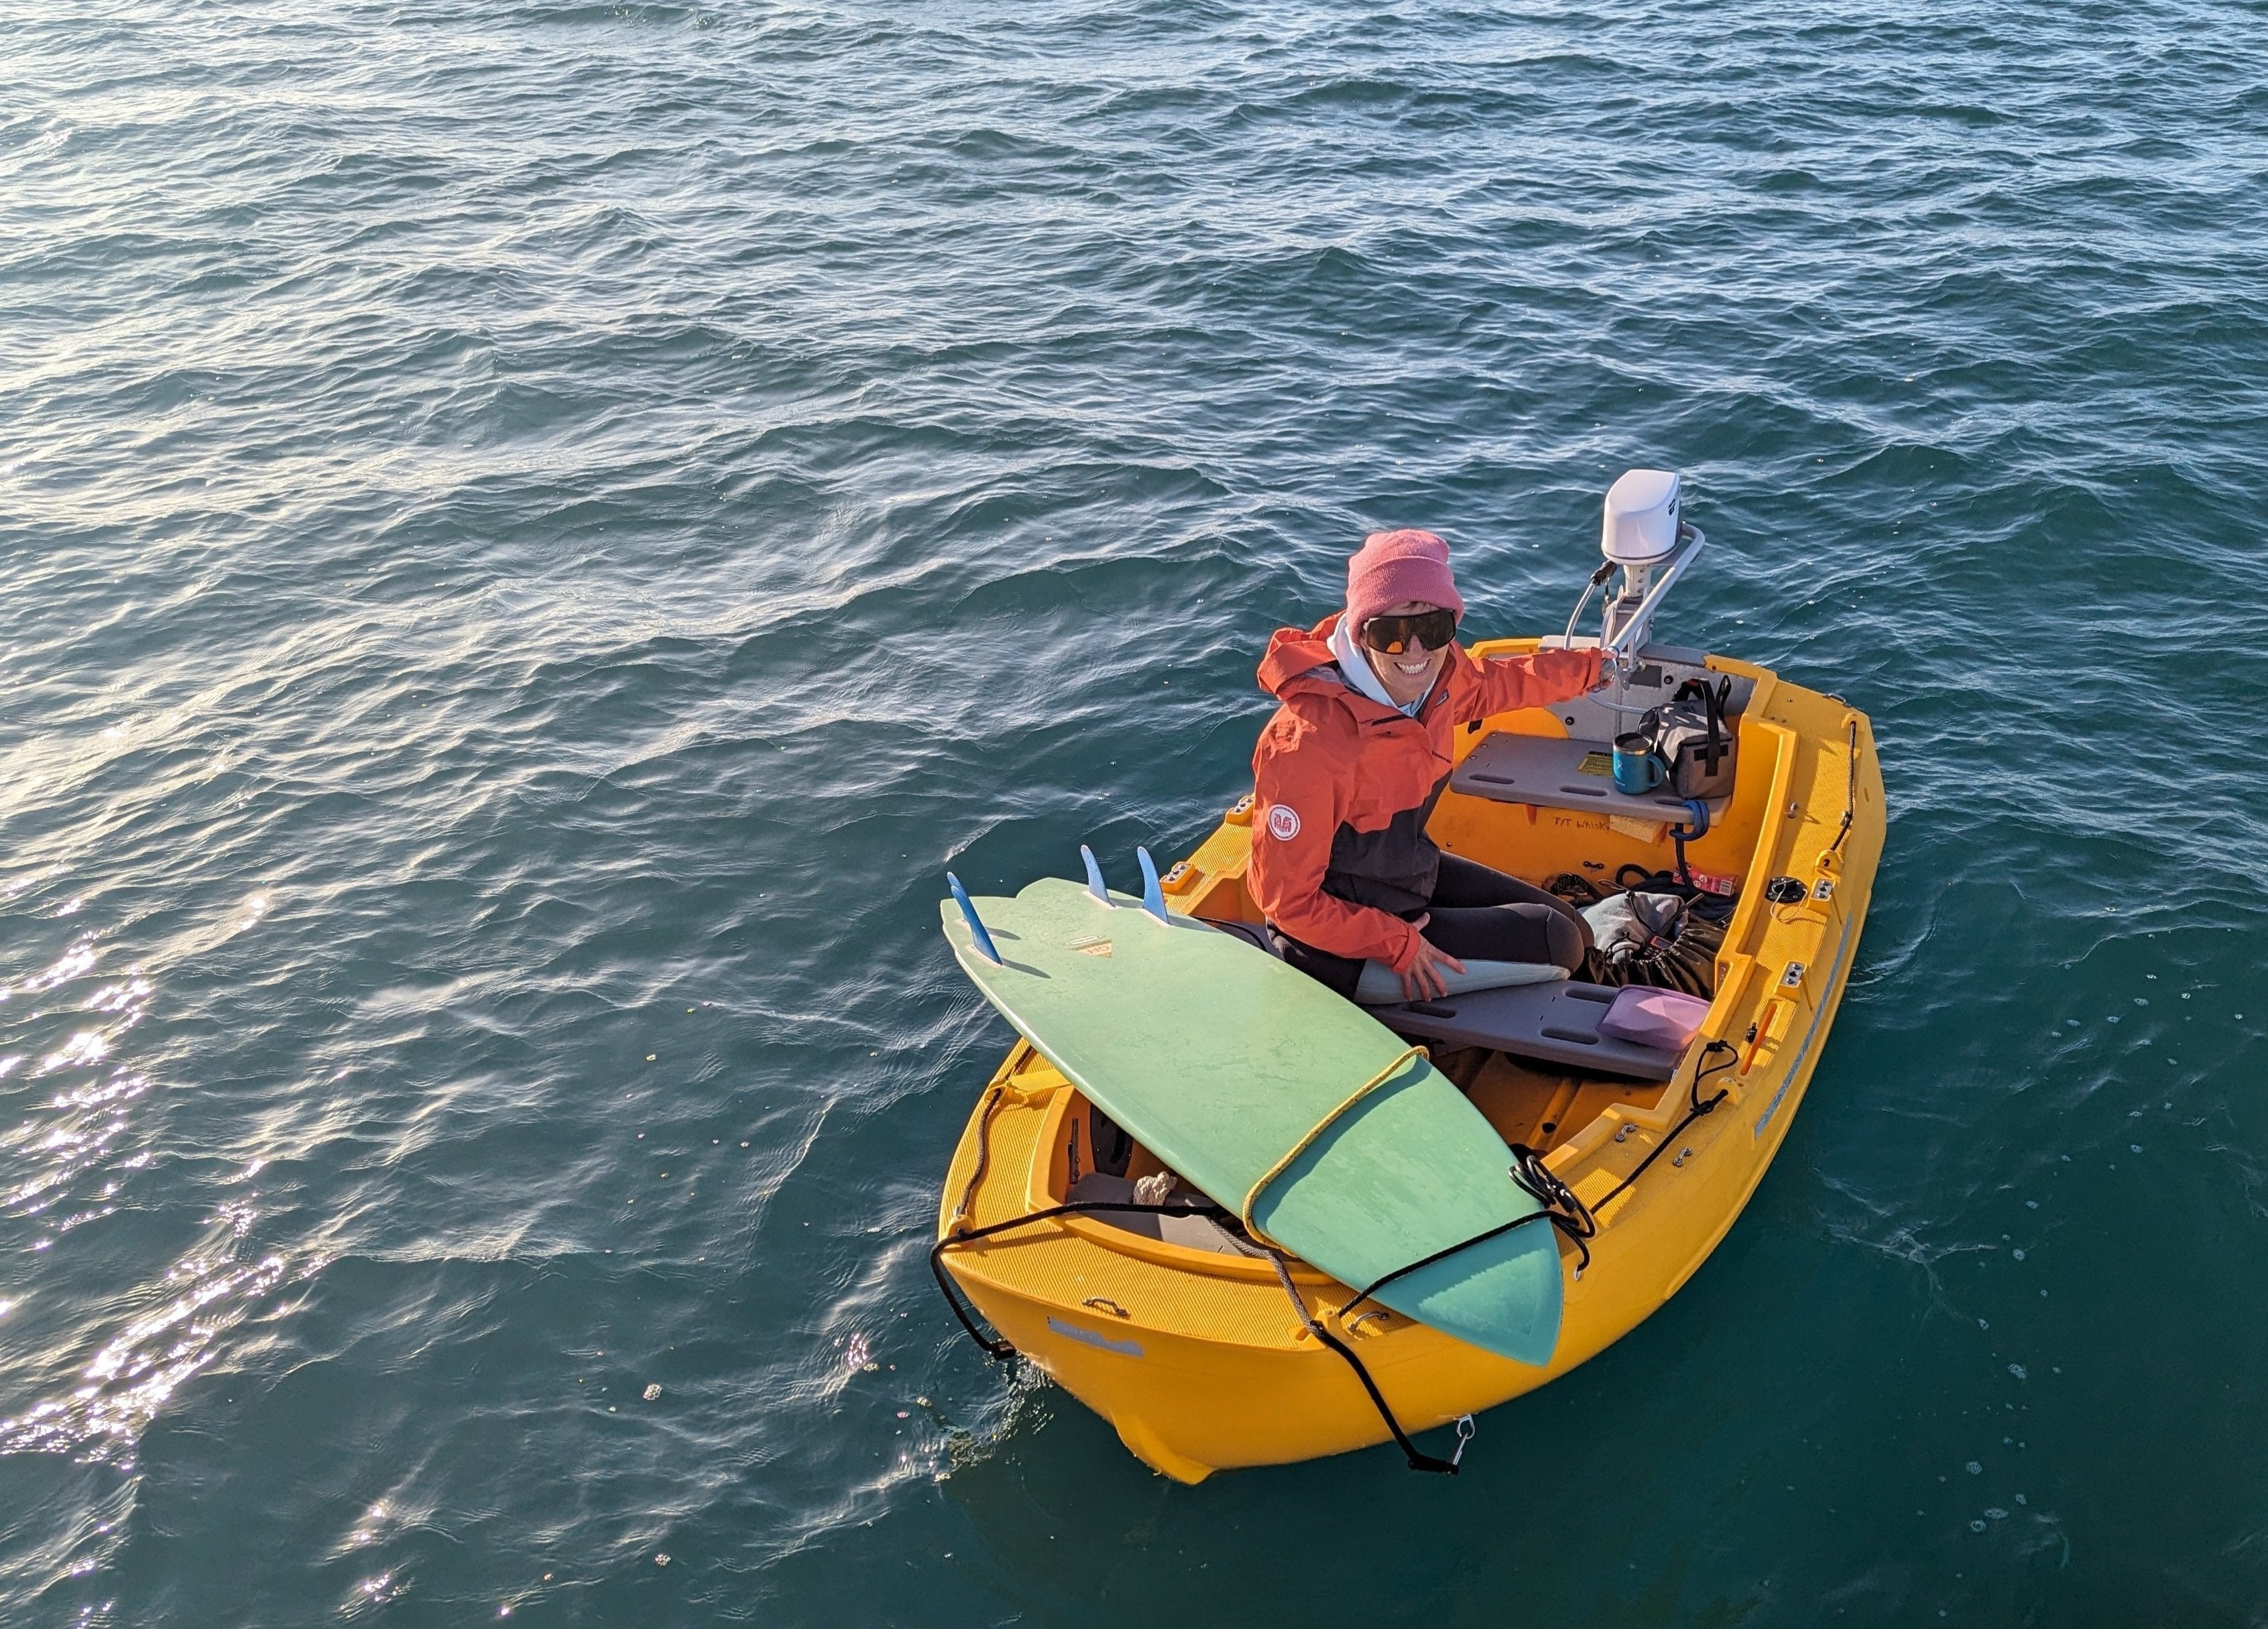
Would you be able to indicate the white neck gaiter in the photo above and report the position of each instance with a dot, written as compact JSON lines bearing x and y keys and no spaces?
{"x":1361,"y":674}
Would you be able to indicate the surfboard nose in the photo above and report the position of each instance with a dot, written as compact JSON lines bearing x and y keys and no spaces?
{"x":1503,"y":1294}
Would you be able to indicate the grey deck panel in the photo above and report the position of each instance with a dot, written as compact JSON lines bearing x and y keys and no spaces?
{"x":1551,"y":773}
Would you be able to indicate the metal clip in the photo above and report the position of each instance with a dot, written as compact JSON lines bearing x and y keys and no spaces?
{"x":1465,"y":1430}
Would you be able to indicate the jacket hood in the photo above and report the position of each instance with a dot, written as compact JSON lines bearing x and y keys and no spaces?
{"x":1294,"y":655}
{"x":1302,"y":663}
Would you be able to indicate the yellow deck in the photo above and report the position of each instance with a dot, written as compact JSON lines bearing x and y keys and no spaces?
{"x":1225,"y":1374}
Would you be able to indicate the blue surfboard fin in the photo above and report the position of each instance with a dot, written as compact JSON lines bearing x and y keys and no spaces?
{"x":1093,"y":875}
{"x":976,"y":924}
{"x":1153,"y":892}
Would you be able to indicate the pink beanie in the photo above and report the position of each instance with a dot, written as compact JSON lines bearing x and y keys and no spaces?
{"x":1393,"y":566}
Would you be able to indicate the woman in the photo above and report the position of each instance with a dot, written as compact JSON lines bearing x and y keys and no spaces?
{"x":1348,"y":771}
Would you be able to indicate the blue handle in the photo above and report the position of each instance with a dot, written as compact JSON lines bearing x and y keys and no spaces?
{"x":1698,"y":812}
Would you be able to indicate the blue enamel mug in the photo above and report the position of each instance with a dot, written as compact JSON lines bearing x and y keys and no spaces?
{"x":1637,"y":770}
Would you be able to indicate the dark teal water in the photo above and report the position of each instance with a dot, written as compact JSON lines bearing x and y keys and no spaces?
{"x":534,"y":533}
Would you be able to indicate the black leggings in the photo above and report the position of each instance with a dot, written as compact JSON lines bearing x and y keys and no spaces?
{"x":1476,"y":914}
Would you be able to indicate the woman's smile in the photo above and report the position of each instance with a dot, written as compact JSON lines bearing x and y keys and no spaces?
{"x":1409,"y":673}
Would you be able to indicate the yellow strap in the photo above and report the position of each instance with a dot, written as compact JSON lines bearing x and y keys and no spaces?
{"x":1314,"y":1131}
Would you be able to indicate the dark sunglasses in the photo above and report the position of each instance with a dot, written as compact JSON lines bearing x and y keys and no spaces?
{"x":1390,"y":636}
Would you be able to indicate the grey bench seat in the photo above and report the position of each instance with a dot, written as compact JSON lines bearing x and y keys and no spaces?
{"x":1554,"y":1023}
{"x":1561,"y":773}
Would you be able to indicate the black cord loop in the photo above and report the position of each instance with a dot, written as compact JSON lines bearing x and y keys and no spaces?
{"x":1193,"y":1205}
{"x":1002,"y":1349}
{"x":1561,"y":1208}
{"x":1698,"y":1107}
{"x":1419,"y":1460}
{"x":1849,"y":791}
{"x":1566,"y":1213}
{"x":1379,"y":1284}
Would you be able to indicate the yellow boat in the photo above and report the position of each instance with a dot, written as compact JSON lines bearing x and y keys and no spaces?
{"x":1187,"y":1342}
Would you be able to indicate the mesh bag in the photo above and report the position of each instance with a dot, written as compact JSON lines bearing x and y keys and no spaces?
{"x":1646,"y":934}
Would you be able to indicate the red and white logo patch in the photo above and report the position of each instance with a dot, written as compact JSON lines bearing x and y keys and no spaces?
{"x":1283,"y":822}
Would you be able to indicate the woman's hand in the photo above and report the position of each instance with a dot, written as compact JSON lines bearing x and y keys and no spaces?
{"x":1423,"y":980}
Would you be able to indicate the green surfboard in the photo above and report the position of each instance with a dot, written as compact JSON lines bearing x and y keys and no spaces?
{"x":1221,"y":1059}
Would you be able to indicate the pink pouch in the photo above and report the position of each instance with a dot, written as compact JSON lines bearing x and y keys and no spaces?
{"x":1668,"y":1019}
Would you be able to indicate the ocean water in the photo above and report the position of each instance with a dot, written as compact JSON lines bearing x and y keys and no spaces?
{"x":535,"y":533}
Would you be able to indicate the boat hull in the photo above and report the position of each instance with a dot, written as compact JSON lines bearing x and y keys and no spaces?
{"x":1201,"y":1361}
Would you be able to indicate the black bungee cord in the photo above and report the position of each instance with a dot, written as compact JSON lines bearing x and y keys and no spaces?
{"x":1006,"y":1351}
{"x":1697,"y":1108}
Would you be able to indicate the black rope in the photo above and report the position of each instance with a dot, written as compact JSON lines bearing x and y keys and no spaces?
{"x":1377,"y":1285}
{"x":1569,"y":1214}
{"x":1561,"y":1208}
{"x":983,"y":1154}
{"x":1850,"y":792}
{"x":1698,"y":1109}
{"x":1001,"y":1348}
{"x":992,"y":1348}
{"x":1574,"y":889}
{"x":1418,"y":1461}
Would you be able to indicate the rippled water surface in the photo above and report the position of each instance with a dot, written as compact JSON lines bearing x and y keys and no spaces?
{"x":536,"y":532}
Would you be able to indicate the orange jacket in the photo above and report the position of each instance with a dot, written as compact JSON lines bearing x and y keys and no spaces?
{"x":1342,"y":787}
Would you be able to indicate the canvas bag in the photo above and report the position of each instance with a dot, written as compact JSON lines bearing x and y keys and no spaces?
{"x":1652,"y":939}
{"x":1695,"y":742}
